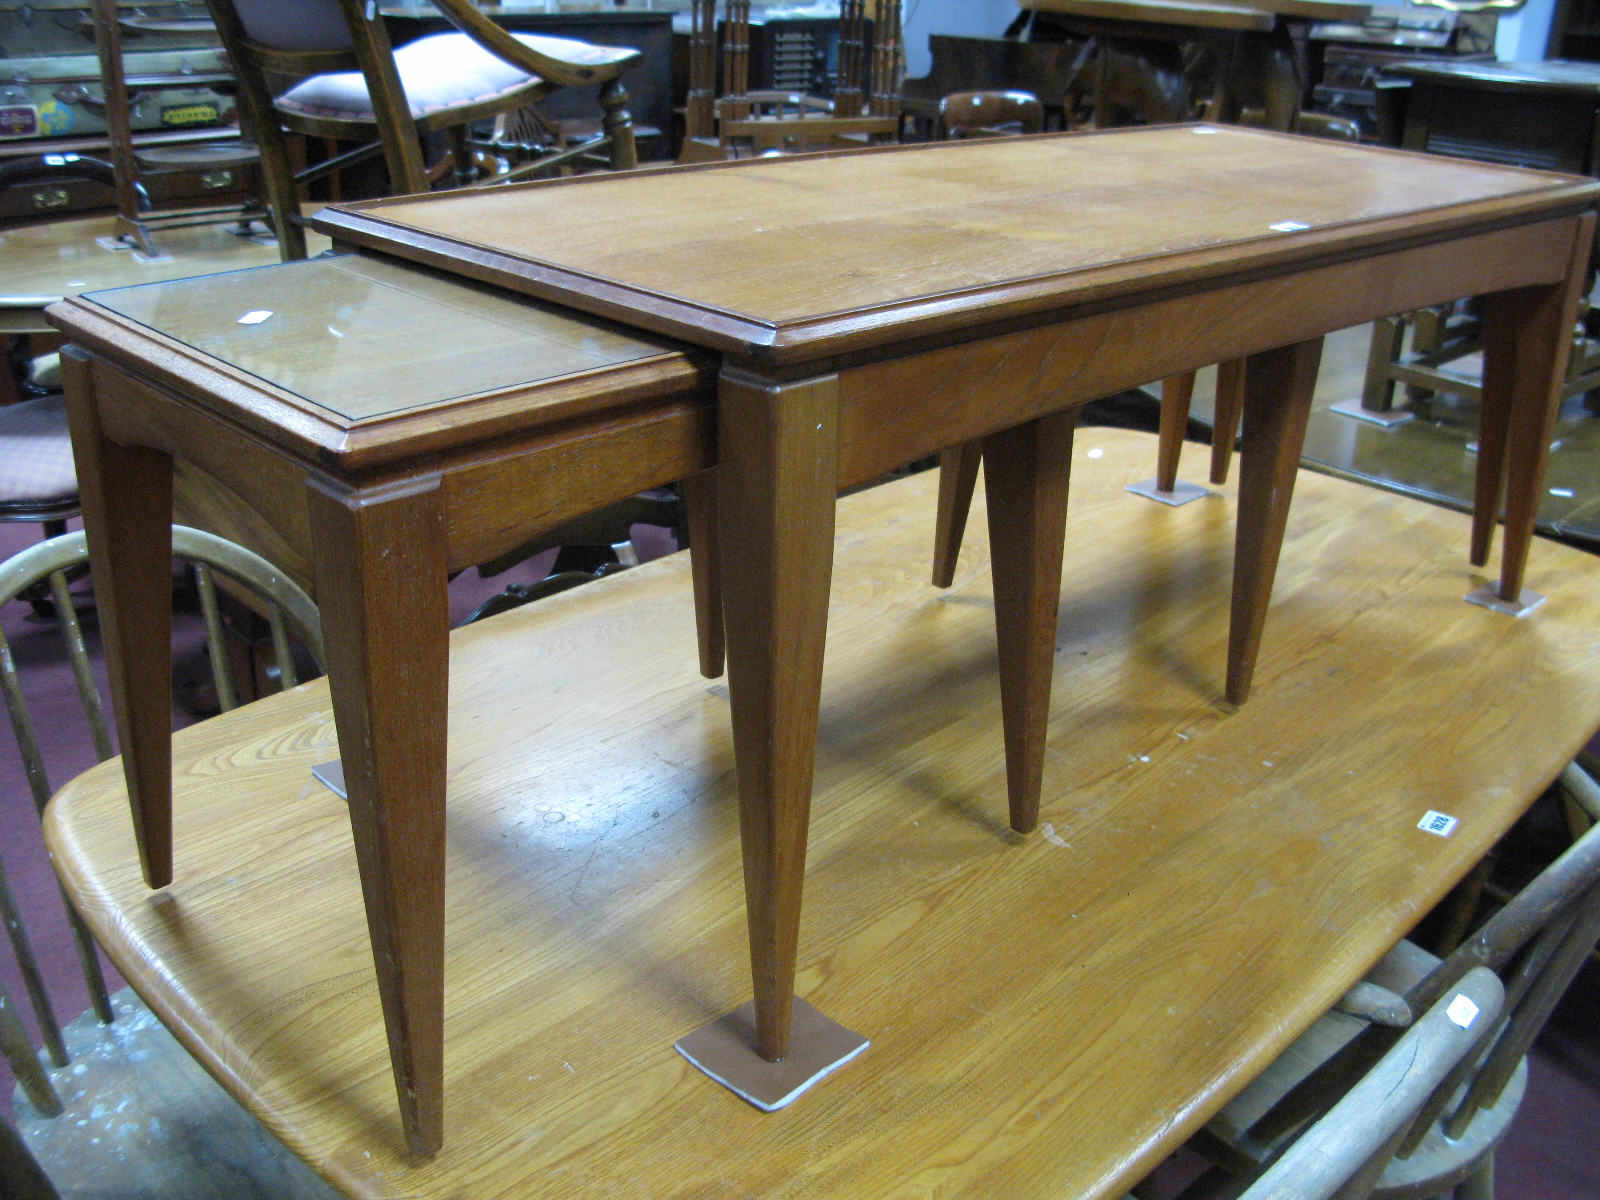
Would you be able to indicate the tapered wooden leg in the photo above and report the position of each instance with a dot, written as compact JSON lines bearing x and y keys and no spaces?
{"x":700,"y":514}
{"x":777,"y":468}
{"x":1277,"y":403}
{"x":1225,"y":416}
{"x":127,"y":515}
{"x":1176,"y":392}
{"x":958,"y":473}
{"x":380,"y":572}
{"x":1025,"y":475}
{"x":1527,"y":341}
{"x":1377,"y":392}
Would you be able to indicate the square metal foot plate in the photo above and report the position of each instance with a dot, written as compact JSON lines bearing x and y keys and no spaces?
{"x":332,"y":774}
{"x":1181,"y":492}
{"x":1489,"y":597}
{"x":725,"y":1050}
{"x":1352,"y":408}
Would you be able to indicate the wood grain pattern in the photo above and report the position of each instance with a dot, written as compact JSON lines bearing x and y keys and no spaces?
{"x":775,"y":552}
{"x":1026,"y":472}
{"x":595,"y":909}
{"x":1525,"y":367}
{"x":969,"y":390}
{"x":1277,"y":402}
{"x":751,"y":257}
{"x":1176,"y":393}
{"x":1225,"y":416}
{"x":438,"y":407}
{"x":958,"y":475}
{"x":127,"y":503}
{"x":380,"y":572}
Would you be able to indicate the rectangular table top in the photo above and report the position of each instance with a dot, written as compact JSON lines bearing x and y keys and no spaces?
{"x":355,"y":361}
{"x":364,"y":337}
{"x":1048,"y":1016}
{"x":790,"y":259}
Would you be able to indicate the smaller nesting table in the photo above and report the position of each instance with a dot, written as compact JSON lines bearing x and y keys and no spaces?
{"x":388,"y":426}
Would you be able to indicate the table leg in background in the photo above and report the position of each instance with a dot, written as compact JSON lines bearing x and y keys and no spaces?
{"x":1276,"y":405}
{"x":1025,"y":475}
{"x":1527,"y":340}
{"x":700,"y":515}
{"x":1225,"y":416}
{"x":1176,"y":393}
{"x":958,"y":475}
{"x":381,"y":585}
{"x":127,"y":517}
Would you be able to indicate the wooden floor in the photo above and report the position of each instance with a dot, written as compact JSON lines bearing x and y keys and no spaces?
{"x":1049,"y":1015}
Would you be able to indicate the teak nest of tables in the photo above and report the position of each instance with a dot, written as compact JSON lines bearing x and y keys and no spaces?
{"x":861,"y":309}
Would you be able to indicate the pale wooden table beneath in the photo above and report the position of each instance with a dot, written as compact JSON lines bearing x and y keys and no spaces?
{"x":1049,"y":1016}
{"x":39,"y":264}
{"x":374,"y":427}
{"x":873,"y":307}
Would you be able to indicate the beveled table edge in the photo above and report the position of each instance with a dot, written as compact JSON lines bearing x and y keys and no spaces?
{"x":310,"y":432}
{"x":874,"y":328}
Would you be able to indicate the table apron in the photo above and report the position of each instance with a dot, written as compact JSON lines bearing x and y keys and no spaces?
{"x":495,"y":495}
{"x":897,"y":410}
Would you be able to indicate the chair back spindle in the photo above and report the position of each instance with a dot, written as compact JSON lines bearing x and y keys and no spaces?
{"x":699,"y":115}
{"x":51,"y":561}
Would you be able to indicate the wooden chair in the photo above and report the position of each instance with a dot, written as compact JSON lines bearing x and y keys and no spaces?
{"x":49,"y":564}
{"x":744,"y":123}
{"x":37,"y":479}
{"x":352,"y":85}
{"x":137,"y":221}
{"x":990,"y":114}
{"x":1535,"y":943}
{"x":1344,"y":1151}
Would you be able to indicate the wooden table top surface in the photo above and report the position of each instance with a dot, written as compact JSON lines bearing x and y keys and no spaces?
{"x":356,"y":361}
{"x":367,"y":338}
{"x":1049,"y":1015}
{"x":793,"y":258}
{"x":1217,"y":14}
{"x":1556,"y":75}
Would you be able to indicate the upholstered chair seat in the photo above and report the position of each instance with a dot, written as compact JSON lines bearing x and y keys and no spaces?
{"x":438,"y":73}
{"x":36,"y":471}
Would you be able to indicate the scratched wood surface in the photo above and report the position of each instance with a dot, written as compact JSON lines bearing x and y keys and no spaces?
{"x":1049,"y":1015}
{"x":762,"y":252}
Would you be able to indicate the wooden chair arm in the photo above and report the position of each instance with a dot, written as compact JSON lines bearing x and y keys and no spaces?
{"x":563,"y":71}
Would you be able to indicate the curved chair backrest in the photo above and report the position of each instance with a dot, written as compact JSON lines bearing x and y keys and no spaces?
{"x":990,"y":114}
{"x":49,"y":564}
{"x":301,"y":25}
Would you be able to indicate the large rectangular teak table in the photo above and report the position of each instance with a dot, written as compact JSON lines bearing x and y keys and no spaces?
{"x":1050,"y":1016}
{"x":867,"y":309}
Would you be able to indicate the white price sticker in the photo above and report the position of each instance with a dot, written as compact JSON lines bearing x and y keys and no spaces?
{"x":256,"y":317}
{"x":1462,"y":1011}
{"x":1440,"y":823}
{"x":1289,"y":226}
